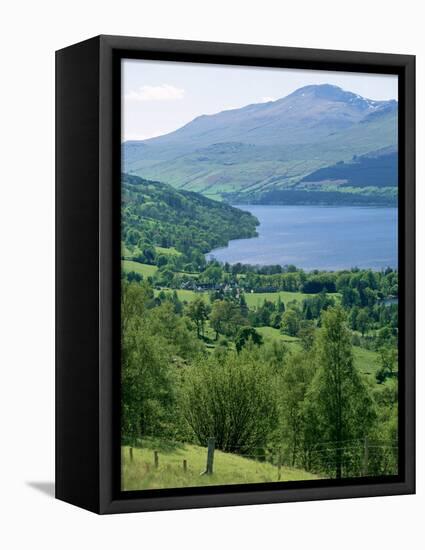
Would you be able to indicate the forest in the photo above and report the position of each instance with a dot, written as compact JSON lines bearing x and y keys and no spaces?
{"x":289,"y":371}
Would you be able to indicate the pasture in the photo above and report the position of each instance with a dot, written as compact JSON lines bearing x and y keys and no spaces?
{"x":141,"y":473}
{"x":142,"y":269}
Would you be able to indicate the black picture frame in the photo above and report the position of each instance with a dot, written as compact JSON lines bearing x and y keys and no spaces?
{"x":88,"y":158}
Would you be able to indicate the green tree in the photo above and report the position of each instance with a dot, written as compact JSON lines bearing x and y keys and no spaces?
{"x":297,"y":374}
{"x":290,"y":322}
{"x":275,"y":319}
{"x":161,"y":260}
{"x":147,"y":381}
{"x":362,"y":321}
{"x":306,"y":334}
{"x":343,"y":409}
{"x":226,"y":317}
{"x":280,"y":306}
{"x":212,"y":274}
{"x":231,"y":398}
{"x":350,"y":297}
{"x":246,"y":334}
{"x":197,"y":311}
{"x":388,"y":358}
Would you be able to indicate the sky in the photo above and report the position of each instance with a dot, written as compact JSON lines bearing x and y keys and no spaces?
{"x":159,"y":97}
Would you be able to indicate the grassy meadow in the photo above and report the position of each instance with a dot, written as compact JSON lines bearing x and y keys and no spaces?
{"x":140,"y":473}
{"x":144,"y":270}
{"x":256,"y":299}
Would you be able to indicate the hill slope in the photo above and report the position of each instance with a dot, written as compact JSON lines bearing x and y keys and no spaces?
{"x":228,"y":469}
{"x":267,"y":146}
{"x":377,"y":169}
{"x":156,"y":215}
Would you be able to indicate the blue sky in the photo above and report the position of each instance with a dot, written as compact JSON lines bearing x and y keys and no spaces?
{"x":161,"y":96}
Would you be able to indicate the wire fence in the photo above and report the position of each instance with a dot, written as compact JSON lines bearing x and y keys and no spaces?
{"x":343,"y":458}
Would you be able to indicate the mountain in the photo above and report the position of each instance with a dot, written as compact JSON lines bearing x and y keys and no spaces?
{"x":267,"y":146}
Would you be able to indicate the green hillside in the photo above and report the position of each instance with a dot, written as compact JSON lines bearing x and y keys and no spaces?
{"x":144,"y":270}
{"x":140,"y":473}
{"x":159,"y":221}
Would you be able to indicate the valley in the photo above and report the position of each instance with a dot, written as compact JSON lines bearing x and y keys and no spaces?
{"x":259,"y":295}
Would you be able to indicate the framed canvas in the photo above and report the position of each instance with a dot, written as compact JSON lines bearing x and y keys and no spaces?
{"x":235,"y":274}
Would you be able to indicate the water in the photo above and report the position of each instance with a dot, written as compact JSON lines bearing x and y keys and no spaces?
{"x":318,"y":237}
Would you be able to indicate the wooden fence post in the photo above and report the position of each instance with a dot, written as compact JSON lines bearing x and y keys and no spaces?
{"x":365,"y":456}
{"x":210,"y":457}
{"x":279,"y":465}
{"x":156,"y":459}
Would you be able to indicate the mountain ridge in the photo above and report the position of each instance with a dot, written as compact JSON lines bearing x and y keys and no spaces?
{"x":266,"y":146}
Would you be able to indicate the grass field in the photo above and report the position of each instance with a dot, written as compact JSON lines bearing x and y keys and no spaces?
{"x":256,"y":299}
{"x":270,"y":333}
{"x":142,"y":269}
{"x":274,"y":334}
{"x":366,"y":361}
{"x":252,"y":300}
{"x":184,"y":295}
{"x":228,"y":468}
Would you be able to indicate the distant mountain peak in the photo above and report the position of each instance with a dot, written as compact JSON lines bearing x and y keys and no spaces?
{"x":332,"y":92}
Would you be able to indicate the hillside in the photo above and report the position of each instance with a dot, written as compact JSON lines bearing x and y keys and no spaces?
{"x":269,"y":146}
{"x":377,"y":169}
{"x":156,"y":218}
{"x":140,"y":473}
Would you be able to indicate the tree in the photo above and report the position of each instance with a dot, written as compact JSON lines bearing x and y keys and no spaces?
{"x":290,"y":322}
{"x":297,"y":374}
{"x":147,"y":383}
{"x":342,"y":406}
{"x":233,"y":399}
{"x":226,"y":317}
{"x":362,"y":321}
{"x":149,"y":254}
{"x":132,"y":276}
{"x":388,"y":358}
{"x":246,"y":334}
{"x":161,"y":260}
{"x":275,"y":319}
{"x":280,"y":306}
{"x":165,"y":276}
{"x":306,"y":334}
{"x":197,"y":311}
{"x":212,"y":274}
{"x":350,"y":297}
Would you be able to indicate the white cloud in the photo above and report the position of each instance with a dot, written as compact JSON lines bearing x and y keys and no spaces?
{"x":163,"y":92}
